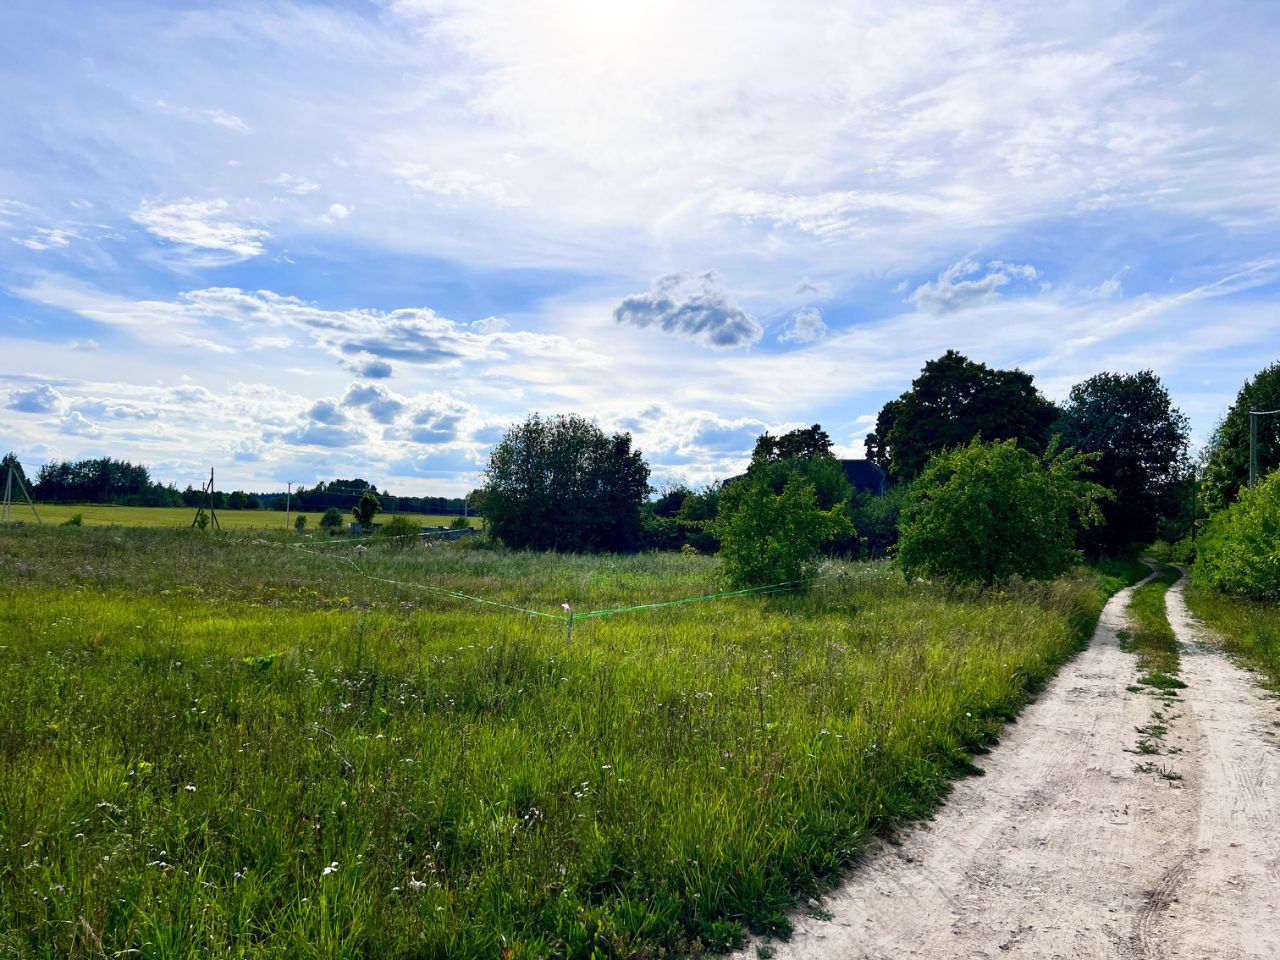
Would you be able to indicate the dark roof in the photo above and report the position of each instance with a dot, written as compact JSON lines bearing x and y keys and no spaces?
{"x":865,"y":476}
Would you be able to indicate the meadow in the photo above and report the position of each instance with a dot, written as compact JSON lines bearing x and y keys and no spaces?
{"x":95,"y":514}
{"x":219,"y":746}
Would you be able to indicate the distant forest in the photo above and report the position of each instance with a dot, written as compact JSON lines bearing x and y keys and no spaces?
{"x":105,"y":480}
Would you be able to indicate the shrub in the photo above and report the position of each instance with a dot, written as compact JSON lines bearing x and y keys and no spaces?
{"x":332,"y":520}
{"x":990,"y":511}
{"x":75,"y":520}
{"x":400,"y":529}
{"x":767,"y":537}
{"x":459,"y":523}
{"x":300,"y":523}
{"x":1239,"y":551}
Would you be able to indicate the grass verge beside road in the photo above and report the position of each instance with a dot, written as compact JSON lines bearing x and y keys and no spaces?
{"x":1247,"y":629}
{"x":213,"y":746}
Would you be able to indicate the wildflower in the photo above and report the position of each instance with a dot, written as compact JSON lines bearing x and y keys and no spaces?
{"x":190,"y":788}
{"x":331,"y":868}
{"x":566,"y":608}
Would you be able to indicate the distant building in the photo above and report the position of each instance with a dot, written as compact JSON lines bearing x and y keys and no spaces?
{"x":865,"y":476}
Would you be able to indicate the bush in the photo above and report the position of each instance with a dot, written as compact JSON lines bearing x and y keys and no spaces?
{"x":767,"y":537}
{"x":459,"y":523}
{"x":990,"y":511}
{"x":1239,"y":551}
{"x":300,"y":522}
{"x":400,"y":529}
{"x":75,"y":520}
{"x":332,"y":520}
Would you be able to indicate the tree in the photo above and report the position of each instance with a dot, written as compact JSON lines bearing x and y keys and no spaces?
{"x":366,"y":510}
{"x":989,"y":511}
{"x":951,"y":402}
{"x":1141,"y":439}
{"x":331,"y":521}
{"x":804,"y":444}
{"x":560,"y":483}
{"x":1227,"y":456}
{"x":1238,"y":552}
{"x":300,"y":522}
{"x":769,"y":536}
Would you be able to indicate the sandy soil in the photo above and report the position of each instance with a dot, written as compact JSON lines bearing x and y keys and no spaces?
{"x":1065,"y":850}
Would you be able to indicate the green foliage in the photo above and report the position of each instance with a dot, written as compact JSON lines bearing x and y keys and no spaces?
{"x":11,"y":462}
{"x":1151,"y":638}
{"x":990,"y":511}
{"x":559,"y":483}
{"x":697,"y":516}
{"x":300,"y":522}
{"x":331,"y":522}
{"x":1227,"y":456}
{"x":366,"y":510}
{"x":202,"y":519}
{"x":951,"y":402}
{"x":459,"y":523}
{"x":807,"y":443}
{"x":75,"y":520}
{"x":770,"y":536}
{"x":877,"y":517}
{"x":402,"y":530}
{"x":481,"y":783}
{"x":1141,"y":440}
{"x":1239,"y":550}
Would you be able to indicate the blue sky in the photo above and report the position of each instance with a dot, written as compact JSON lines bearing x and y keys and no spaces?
{"x":304,"y":240}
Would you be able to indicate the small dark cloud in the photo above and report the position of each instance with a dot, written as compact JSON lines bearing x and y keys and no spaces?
{"x":374,"y":369}
{"x":321,"y":435}
{"x":41,"y":398}
{"x":326,"y":411}
{"x":380,"y":404}
{"x":691,"y":307}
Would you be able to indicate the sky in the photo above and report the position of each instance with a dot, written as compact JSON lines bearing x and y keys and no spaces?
{"x":297,"y":241}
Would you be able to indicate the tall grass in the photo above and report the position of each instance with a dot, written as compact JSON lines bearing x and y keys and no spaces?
{"x":213,"y":747}
{"x":1150,"y":636}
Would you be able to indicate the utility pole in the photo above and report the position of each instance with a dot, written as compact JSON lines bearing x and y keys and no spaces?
{"x":6,"y":508}
{"x":288,"y":502}
{"x":1254,"y":414}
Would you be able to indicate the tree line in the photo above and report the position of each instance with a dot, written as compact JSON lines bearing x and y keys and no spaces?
{"x":989,"y":480}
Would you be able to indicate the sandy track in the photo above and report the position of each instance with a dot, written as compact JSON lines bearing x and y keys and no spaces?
{"x":1065,"y":850}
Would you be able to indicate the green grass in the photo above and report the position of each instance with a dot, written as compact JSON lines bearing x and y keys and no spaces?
{"x":95,"y":514}
{"x":1150,"y":637}
{"x":214,"y":746}
{"x":1248,"y":630}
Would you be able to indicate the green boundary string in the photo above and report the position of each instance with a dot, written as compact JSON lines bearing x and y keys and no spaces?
{"x":571,"y":617}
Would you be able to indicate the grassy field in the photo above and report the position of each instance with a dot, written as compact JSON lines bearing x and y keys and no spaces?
{"x":100,"y":513}
{"x":218,"y":747}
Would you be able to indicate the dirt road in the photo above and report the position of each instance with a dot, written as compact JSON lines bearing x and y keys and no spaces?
{"x":1066,"y":850}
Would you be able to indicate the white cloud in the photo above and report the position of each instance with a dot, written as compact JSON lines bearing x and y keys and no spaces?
{"x":202,"y":224}
{"x":952,"y":291}
{"x":298,"y":186}
{"x":42,"y":398}
{"x":337,"y":211}
{"x":805,"y":326}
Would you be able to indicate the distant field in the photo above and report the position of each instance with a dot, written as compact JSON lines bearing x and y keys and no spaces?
{"x":104,"y":514}
{"x":211,"y":746}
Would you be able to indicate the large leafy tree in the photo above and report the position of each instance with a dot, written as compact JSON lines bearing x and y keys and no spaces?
{"x":561,"y":483}
{"x":805,"y":444}
{"x":1141,"y":439}
{"x":951,"y":402}
{"x":1227,"y":456}
{"x":1238,"y":553}
{"x":989,"y":511}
